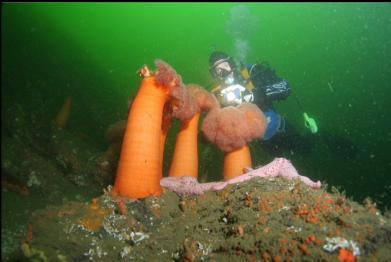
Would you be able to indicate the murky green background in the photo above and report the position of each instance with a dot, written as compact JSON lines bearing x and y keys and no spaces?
{"x":336,"y":56}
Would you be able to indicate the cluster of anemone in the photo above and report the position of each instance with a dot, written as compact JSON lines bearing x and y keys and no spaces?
{"x":162,"y":97}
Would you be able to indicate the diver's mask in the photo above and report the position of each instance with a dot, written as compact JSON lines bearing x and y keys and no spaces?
{"x":222,"y":70}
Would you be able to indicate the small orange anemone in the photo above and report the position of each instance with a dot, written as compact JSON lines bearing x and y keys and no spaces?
{"x":231,"y":129}
{"x":62,"y":116}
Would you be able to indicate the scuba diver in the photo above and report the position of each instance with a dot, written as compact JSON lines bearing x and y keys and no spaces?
{"x":258,"y":84}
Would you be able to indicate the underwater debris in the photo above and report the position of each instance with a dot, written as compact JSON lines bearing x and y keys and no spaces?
{"x":33,"y":180}
{"x":335,"y":243}
{"x":137,"y":237}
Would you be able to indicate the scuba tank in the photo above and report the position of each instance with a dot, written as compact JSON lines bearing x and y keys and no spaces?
{"x":309,"y":122}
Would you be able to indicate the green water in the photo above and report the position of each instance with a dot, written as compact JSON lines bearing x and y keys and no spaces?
{"x":336,"y":56}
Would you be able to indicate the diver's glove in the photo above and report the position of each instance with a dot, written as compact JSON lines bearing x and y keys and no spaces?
{"x":310,"y":123}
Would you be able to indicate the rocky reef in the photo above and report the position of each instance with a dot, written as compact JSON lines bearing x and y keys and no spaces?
{"x":262,"y":219}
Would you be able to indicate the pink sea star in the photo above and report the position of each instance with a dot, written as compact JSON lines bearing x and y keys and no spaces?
{"x":278,"y":167}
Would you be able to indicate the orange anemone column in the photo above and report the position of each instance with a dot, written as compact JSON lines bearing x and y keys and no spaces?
{"x":140,"y":165}
{"x":235,"y":162}
{"x":62,"y":116}
{"x":185,"y":159}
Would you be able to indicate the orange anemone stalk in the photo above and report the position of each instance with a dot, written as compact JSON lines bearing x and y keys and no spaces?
{"x":62,"y":116}
{"x":236,"y":162}
{"x":185,"y":159}
{"x":140,"y":164}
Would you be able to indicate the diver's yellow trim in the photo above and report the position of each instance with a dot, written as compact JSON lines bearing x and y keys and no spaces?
{"x":216,"y":88}
{"x":246,"y":76}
